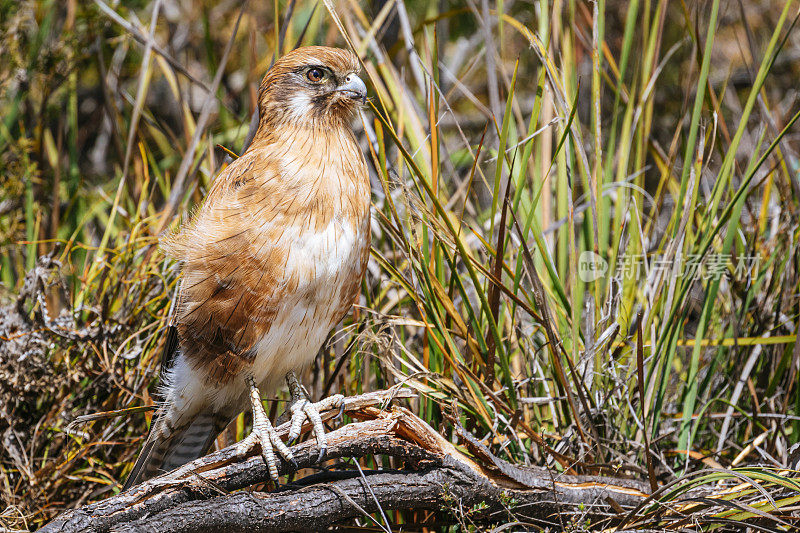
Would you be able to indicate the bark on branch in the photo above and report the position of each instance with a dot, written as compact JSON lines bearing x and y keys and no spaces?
{"x":436,"y":476}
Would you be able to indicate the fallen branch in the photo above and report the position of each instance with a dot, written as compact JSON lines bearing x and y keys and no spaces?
{"x":436,"y":477}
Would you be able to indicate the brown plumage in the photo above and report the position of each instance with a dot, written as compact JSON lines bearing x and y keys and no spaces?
{"x":271,"y":261}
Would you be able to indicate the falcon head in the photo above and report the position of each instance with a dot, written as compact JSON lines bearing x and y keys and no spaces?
{"x":312,"y":86}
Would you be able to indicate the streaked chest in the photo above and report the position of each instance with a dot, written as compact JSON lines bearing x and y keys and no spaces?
{"x":325,"y":240}
{"x":275,"y":257}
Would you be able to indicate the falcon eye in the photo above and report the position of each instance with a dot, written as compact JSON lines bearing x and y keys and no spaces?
{"x":315,"y":75}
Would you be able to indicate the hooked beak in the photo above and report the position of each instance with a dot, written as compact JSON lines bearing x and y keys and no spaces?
{"x":354,"y":88}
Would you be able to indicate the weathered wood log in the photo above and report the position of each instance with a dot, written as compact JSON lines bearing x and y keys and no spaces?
{"x":436,"y":477}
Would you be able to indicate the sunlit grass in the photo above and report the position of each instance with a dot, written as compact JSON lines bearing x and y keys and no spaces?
{"x":508,"y":144}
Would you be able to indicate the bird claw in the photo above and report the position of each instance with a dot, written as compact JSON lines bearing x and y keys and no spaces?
{"x":322,"y":451}
{"x":340,"y":414}
{"x":265,"y":436}
{"x":303,"y":410}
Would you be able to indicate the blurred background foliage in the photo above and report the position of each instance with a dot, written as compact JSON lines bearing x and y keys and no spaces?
{"x":585,"y":237}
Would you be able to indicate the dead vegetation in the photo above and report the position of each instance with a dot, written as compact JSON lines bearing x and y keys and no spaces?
{"x":505,"y":141}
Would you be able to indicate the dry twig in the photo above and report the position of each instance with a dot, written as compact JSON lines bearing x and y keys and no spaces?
{"x":436,"y":476}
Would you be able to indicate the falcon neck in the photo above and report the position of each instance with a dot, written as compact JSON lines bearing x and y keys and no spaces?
{"x":328,"y":131}
{"x":280,"y":121}
{"x":320,"y":166}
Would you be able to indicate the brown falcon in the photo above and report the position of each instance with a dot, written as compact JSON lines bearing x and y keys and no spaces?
{"x":271,"y":261}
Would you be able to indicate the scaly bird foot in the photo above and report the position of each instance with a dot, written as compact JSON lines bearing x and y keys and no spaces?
{"x":302,"y":410}
{"x":264,"y":435}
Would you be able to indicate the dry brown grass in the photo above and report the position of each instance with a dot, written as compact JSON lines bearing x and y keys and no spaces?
{"x":537,"y":357}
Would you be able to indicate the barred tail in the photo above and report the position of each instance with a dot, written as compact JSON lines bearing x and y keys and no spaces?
{"x":167,"y":448}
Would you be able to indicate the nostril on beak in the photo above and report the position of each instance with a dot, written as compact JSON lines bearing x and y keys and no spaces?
{"x":354,"y":87}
